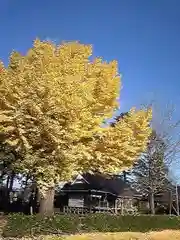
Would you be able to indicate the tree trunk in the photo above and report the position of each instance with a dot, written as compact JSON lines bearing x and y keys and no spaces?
{"x":151,"y":203}
{"x":6,"y":199}
{"x":47,"y":203}
{"x":170,"y":202}
{"x":26,"y":181}
{"x":1,"y":179}
{"x":11,"y":182}
{"x":177,"y":200}
{"x":7,"y":182}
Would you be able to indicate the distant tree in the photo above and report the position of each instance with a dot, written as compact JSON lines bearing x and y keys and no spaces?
{"x":151,"y":170}
{"x":118,"y":118}
{"x":53,"y":101}
{"x":8,"y":158}
{"x":8,"y":171}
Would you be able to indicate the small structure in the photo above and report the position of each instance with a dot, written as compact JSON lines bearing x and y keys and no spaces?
{"x":169,"y":199}
{"x":96,"y":193}
{"x":166,"y":201}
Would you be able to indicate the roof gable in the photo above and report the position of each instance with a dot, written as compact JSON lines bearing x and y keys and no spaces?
{"x":98,"y":182}
{"x":79,"y":179}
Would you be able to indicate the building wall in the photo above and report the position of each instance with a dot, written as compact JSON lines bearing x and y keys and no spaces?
{"x":76,"y":201}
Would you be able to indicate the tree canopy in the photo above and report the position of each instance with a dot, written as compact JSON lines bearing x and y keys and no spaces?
{"x":53,"y":101}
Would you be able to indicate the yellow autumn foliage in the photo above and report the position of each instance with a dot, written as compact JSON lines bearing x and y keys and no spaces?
{"x":53,"y":101}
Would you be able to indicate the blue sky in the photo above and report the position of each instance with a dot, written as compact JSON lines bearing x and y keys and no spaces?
{"x":143,"y":35}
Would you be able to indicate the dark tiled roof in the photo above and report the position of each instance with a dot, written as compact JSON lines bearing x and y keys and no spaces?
{"x":76,"y":186}
{"x":114,"y":185}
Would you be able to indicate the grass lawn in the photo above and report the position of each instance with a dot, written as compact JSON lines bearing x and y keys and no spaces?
{"x":164,"y":235}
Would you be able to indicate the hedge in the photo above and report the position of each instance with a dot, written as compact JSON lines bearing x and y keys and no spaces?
{"x":19,"y":225}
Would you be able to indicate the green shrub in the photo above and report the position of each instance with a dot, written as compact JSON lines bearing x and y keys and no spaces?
{"x":19,"y":225}
{"x":144,"y":223}
{"x":22,"y":225}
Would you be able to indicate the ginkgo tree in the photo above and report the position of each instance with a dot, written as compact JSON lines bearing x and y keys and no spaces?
{"x":53,"y":101}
